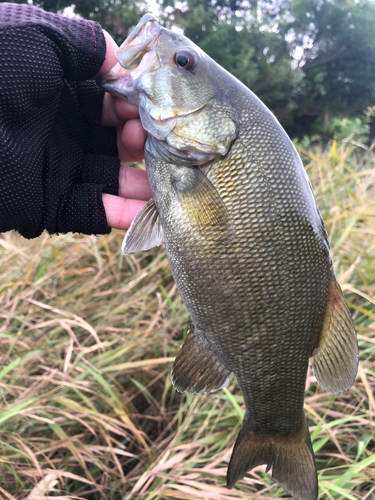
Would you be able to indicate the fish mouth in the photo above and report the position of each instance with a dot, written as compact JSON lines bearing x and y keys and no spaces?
{"x":147,"y":49}
{"x":141,"y":41}
{"x":137,"y":55}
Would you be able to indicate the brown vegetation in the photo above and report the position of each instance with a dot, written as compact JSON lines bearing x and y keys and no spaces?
{"x":88,"y":337}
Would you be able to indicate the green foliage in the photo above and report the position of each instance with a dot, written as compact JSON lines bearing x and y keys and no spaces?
{"x":199,"y":17}
{"x":248,"y":44}
{"x":340,"y":129}
{"x":116,"y":16}
{"x":259,"y":60}
{"x":307,"y":60}
{"x":345,"y":128}
{"x":338,"y":59}
{"x":336,"y":37}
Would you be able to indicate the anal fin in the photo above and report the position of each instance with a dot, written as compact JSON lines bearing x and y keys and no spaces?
{"x":335,"y":362}
{"x":197,"y":368}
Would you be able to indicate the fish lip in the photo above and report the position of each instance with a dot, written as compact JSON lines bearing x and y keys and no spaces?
{"x":139,"y":29}
{"x":135,"y":56}
{"x":141,"y":40}
{"x":107,"y":79}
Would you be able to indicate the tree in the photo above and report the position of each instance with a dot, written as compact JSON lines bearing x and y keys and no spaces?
{"x":260,"y":60}
{"x":248,"y":42}
{"x":116,"y":16}
{"x":307,"y":60}
{"x":337,"y":41}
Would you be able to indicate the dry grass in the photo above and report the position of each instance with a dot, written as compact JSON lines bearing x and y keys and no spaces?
{"x":88,"y":337}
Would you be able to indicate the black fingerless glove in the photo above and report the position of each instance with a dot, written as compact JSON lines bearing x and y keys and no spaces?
{"x":55,"y":158}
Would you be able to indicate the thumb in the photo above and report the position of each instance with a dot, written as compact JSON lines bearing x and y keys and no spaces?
{"x":110,"y":59}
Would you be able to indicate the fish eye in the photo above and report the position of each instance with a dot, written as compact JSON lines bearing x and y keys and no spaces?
{"x":184,"y":60}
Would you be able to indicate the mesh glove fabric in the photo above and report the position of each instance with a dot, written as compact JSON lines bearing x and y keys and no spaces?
{"x":55,"y":158}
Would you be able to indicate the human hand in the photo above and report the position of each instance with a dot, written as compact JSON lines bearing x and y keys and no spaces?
{"x":134,"y":189}
{"x":56,"y":157}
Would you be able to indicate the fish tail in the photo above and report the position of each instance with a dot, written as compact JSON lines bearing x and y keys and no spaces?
{"x":291,"y":459}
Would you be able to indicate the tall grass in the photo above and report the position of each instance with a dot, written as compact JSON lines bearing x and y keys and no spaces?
{"x":88,"y":337}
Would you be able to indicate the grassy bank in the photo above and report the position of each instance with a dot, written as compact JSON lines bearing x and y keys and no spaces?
{"x":87,"y":341}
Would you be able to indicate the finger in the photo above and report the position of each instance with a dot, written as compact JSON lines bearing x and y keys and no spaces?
{"x":119,"y":211}
{"x":109,"y":117}
{"x":117,"y":111}
{"x":125,"y":110}
{"x":133,"y":184}
{"x":110,"y":59}
{"x":131,"y":141}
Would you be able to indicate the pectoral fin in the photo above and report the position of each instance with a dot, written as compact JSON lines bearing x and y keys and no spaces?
{"x":197,"y":368}
{"x":145,"y":231}
{"x":202,"y":206}
{"x":335,"y":362}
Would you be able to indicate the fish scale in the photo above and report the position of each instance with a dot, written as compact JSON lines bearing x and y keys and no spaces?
{"x":246,"y":245}
{"x":198,"y":291}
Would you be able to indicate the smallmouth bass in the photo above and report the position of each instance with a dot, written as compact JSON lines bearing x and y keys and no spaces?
{"x":246,"y":245}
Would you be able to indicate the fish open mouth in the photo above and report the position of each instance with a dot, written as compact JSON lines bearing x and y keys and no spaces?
{"x":168,"y":120}
{"x":141,"y":41}
{"x":137,"y":55}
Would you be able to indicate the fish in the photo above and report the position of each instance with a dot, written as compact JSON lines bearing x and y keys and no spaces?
{"x":246,"y":245}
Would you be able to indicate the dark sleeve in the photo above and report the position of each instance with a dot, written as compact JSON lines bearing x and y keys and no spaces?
{"x":55,"y":158}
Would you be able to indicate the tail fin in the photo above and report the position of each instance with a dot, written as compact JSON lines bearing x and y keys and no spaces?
{"x":291,"y":459}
